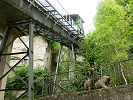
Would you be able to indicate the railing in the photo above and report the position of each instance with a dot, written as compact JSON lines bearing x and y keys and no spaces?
{"x":45,"y":7}
{"x":113,"y":70}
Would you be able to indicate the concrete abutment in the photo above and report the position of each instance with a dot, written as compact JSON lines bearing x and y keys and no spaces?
{"x":5,"y":59}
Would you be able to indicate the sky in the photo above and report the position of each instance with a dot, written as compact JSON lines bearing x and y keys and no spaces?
{"x":85,"y":8}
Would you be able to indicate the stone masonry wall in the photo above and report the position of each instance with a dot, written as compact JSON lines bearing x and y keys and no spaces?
{"x":41,"y":52}
{"x":123,"y":92}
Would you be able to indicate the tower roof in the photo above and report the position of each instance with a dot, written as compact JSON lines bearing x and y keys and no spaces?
{"x":74,"y":16}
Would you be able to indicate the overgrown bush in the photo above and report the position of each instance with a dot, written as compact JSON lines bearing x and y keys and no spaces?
{"x":15,"y":82}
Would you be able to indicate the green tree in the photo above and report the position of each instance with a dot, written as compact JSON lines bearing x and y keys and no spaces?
{"x":113,"y":33}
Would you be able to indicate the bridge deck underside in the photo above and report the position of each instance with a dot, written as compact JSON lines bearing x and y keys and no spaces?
{"x":15,"y":11}
{"x":9,"y":13}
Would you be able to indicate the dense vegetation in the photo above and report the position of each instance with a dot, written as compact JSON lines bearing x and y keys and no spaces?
{"x":18,"y":80}
{"x":112,"y":39}
{"x":113,"y":34}
{"x":110,"y":46}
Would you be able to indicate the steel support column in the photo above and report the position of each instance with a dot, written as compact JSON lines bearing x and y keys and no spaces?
{"x":11,"y":33}
{"x":72,"y":62}
{"x":57,"y":67}
{"x":30,"y":70}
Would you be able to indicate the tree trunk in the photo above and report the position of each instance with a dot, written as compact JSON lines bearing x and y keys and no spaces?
{"x":121,"y":68}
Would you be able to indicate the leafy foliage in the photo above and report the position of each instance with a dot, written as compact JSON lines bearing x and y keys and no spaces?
{"x":15,"y":82}
{"x":54,"y":46}
{"x":112,"y":39}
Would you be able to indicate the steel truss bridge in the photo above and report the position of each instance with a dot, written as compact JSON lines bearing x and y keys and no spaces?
{"x":31,"y":17}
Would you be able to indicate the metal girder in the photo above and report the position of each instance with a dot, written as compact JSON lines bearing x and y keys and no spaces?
{"x":1,"y":35}
{"x":17,"y":75}
{"x":30,"y":70}
{"x":21,"y":95}
{"x":57,"y":67}
{"x":29,"y":53}
{"x":12,"y":68}
{"x":71,"y":63}
{"x":4,"y":40}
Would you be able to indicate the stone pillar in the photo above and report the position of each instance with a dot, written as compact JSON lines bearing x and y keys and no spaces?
{"x":3,"y":66}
